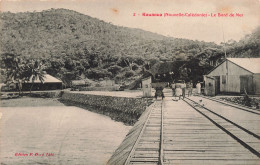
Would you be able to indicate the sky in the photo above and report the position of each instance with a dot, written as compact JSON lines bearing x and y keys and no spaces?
{"x":213,"y":28}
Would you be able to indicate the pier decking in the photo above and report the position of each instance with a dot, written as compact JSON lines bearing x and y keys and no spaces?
{"x":190,"y":132}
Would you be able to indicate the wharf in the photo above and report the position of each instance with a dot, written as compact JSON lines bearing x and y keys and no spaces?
{"x":187,"y":132}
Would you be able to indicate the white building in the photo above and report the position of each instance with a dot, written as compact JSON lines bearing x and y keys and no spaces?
{"x":147,"y":87}
{"x":234,"y":75}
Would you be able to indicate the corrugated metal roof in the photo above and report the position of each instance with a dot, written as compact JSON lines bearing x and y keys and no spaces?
{"x":250,"y":64}
{"x":47,"y":79}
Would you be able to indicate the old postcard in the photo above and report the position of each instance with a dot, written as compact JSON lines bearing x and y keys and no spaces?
{"x":120,"y":82}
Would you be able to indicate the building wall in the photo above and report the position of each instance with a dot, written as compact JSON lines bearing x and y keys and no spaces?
{"x":256,"y":80}
{"x":41,"y":86}
{"x":233,"y":69}
{"x":230,"y":83}
{"x":209,"y":86}
{"x":147,"y":87}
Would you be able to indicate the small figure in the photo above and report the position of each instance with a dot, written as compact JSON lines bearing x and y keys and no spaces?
{"x":159,"y":92}
{"x":190,"y":87}
{"x":201,"y":104}
{"x":198,"y":87}
{"x":173,"y":88}
{"x":178,"y":90}
{"x":183,"y":87}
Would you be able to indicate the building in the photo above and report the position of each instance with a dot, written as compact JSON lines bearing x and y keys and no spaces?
{"x":234,"y":75}
{"x":147,"y":88}
{"x":49,"y":83}
{"x":209,"y":89}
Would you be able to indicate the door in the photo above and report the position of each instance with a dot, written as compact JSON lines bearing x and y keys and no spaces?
{"x":246,"y":84}
{"x":217,"y":84}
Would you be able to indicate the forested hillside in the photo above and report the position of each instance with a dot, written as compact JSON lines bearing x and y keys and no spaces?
{"x":72,"y":46}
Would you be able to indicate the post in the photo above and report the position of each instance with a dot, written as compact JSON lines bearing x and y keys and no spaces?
{"x":147,"y":88}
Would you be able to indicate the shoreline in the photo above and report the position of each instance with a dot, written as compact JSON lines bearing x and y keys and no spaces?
{"x":118,"y":115}
{"x":27,"y":101}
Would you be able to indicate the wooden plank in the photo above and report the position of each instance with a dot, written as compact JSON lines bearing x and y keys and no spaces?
{"x":211,"y":162}
{"x":140,"y":134}
{"x":148,"y":149}
{"x":205,"y":156}
{"x":144,"y":160}
{"x":150,"y":139}
{"x":205,"y":151}
{"x":187,"y":136}
{"x":144,"y":155}
{"x":143,"y":163}
{"x":205,"y":148}
{"x":152,"y":129}
{"x":149,"y":145}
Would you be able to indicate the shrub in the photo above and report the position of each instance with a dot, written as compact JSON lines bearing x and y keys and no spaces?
{"x":129,"y":73}
{"x":135,"y":67}
{"x":98,"y":73}
{"x":114,"y":69}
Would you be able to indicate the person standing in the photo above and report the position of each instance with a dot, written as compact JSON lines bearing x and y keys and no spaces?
{"x":183,"y":87}
{"x":198,"y":87}
{"x":178,"y":90}
{"x":190,"y":87}
{"x":173,"y":88}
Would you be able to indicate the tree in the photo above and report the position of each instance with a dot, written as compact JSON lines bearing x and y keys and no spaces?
{"x":128,"y":61}
{"x":115,"y":69}
{"x":14,"y":67}
{"x":35,"y":72}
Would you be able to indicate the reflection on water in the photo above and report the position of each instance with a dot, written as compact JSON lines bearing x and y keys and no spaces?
{"x":70,"y":135}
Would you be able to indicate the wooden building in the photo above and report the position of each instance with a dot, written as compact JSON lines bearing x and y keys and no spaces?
{"x":234,"y":75}
{"x":49,"y":83}
{"x":209,"y":89}
{"x":147,"y":88}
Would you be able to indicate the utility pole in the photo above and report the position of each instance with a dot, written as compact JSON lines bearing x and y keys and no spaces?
{"x":226,"y":85}
{"x":224,"y":43}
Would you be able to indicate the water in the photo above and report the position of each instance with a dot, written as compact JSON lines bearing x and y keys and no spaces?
{"x":70,"y":135}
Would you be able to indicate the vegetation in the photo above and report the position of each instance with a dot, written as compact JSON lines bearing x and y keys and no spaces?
{"x":35,"y":72}
{"x":73,"y":46}
{"x":21,"y":70}
{"x":245,"y":101}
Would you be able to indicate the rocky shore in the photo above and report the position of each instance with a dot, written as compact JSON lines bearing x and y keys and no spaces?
{"x":123,"y":109}
{"x":118,"y":108}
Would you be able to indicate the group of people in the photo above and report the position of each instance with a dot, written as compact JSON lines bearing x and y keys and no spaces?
{"x":179,"y":88}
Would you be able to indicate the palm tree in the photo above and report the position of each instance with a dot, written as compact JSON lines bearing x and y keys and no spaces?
{"x":35,"y":72}
{"x":14,"y":69}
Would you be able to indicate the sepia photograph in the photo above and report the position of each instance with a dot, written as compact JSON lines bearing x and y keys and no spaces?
{"x":130,"y":82}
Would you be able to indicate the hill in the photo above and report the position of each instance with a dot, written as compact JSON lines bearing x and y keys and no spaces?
{"x":56,"y":31}
{"x":73,"y":45}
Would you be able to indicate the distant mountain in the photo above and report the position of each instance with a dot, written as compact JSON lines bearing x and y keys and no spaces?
{"x":248,"y":46}
{"x":73,"y":45}
{"x":57,"y":31}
